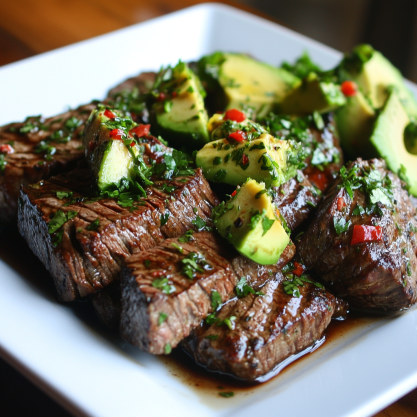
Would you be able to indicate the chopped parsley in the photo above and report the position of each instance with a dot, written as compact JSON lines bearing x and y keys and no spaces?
{"x":341,"y":225}
{"x":163,"y":285}
{"x":291,"y":286}
{"x":193,"y":263}
{"x":200,"y":224}
{"x":94,"y":225}
{"x":211,"y":336}
{"x":227,"y":394}
{"x":168,"y":349}
{"x":64,"y":194}
{"x":162,"y":318}
{"x":164,"y":218}
{"x":186,"y":237}
{"x":243,"y":289}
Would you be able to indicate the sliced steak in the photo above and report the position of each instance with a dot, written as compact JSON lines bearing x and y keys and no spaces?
{"x":296,"y":200}
{"x":377,"y":274}
{"x":40,"y":148}
{"x":157,"y":315}
{"x":263,"y":330}
{"x":142,"y":82}
{"x":102,"y":233}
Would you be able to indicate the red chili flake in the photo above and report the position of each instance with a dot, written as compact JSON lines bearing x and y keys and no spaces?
{"x":235,"y":115}
{"x":349,"y":88}
{"x":161,"y":97}
{"x":6,"y":149}
{"x":245,"y":159}
{"x":341,"y":204}
{"x":362,"y":233}
{"x":141,"y":130}
{"x":108,"y":113}
{"x":298,"y":270}
{"x":116,"y":134}
{"x":238,"y":136}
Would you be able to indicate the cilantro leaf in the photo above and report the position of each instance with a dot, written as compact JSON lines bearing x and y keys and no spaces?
{"x":93,"y":226}
{"x":216,"y":300}
{"x":341,"y":225}
{"x":243,"y":289}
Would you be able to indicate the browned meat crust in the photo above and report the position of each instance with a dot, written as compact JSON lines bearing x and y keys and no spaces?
{"x":89,"y":260}
{"x":374,"y":275}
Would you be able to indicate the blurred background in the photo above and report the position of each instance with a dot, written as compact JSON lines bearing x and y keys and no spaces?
{"x":389,"y":26}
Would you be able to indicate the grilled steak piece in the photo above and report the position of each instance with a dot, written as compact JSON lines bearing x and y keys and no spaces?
{"x":40,"y":148}
{"x":107,"y":305}
{"x":142,"y":82}
{"x":161,"y":305}
{"x":296,"y":199}
{"x":263,"y":330}
{"x":97,"y":235}
{"x":379,"y":274}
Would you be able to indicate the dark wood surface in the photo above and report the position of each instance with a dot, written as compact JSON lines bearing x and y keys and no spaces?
{"x":30,"y":27}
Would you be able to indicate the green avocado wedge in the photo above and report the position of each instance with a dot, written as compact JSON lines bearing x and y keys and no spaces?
{"x":355,"y":122}
{"x":110,"y":158}
{"x":250,"y":221}
{"x":310,"y":95}
{"x":179,"y":113}
{"x":377,"y":77}
{"x":237,"y":81}
{"x":388,"y":140}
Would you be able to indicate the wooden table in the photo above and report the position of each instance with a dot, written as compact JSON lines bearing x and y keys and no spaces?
{"x":30,"y":27}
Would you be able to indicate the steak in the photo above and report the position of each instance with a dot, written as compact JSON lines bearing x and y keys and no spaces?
{"x":296,"y":200}
{"x":85,"y":254}
{"x":39,"y":149}
{"x":262,"y":331}
{"x":161,"y":304}
{"x":374,"y":274}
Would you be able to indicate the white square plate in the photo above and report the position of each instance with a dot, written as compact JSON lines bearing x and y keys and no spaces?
{"x":99,"y":375}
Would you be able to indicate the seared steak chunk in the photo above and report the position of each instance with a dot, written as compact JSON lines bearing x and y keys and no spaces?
{"x":262,"y":331}
{"x":377,"y":272}
{"x":85,"y":253}
{"x":39,"y":148}
{"x":296,"y":200}
{"x":161,"y":304}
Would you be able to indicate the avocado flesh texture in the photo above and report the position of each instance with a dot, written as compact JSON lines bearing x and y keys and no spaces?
{"x":109,"y":159}
{"x":311,"y":95}
{"x":264,"y":249}
{"x":185,"y":124}
{"x":248,"y":82}
{"x":355,"y":122}
{"x":376,"y":78}
{"x":388,"y":140}
{"x":276,"y":149}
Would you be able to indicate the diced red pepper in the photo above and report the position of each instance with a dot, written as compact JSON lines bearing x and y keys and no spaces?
{"x":318,"y":179}
{"x":245,"y":159}
{"x":6,"y":149}
{"x":341,"y":203}
{"x":141,"y":130}
{"x":108,"y":113}
{"x":161,"y":97}
{"x":298,"y":270}
{"x":235,"y":115}
{"x":91,"y":146}
{"x":349,"y":88}
{"x":174,"y":94}
{"x":117,"y":134}
{"x":363,"y":233}
{"x":233,"y":194}
{"x":132,"y":144}
{"x":238,"y":136}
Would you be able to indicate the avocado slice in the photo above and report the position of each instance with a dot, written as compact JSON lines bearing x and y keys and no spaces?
{"x":110,"y":159}
{"x":388,"y":140}
{"x":238,"y":81}
{"x":265,"y":159}
{"x":180,"y":117}
{"x":310,"y":95}
{"x":250,"y":221}
{"x":376,"y":77}
{"x":355,"y":122}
